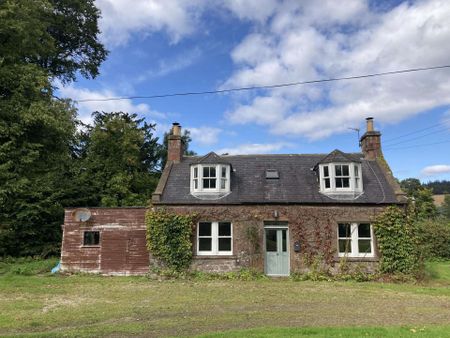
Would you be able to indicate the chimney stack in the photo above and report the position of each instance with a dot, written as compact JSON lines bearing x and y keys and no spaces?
{"x":371,"y":142}
{"x":175,"y":148}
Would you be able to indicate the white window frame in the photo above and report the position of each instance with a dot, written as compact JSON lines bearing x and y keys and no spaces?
{"x":218,"y":178}
{"x":332,"y":176}
{"x":214,"y":240}
{"x":354,"y":238}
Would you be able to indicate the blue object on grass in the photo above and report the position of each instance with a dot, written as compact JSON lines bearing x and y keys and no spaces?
{"x":56,"y":268}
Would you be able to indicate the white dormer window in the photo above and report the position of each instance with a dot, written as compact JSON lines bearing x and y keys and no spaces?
{"x":340,"y":178}
{"x":206,"y":178}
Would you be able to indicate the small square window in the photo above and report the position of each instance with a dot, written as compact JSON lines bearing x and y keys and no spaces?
{"x":91,"y":238}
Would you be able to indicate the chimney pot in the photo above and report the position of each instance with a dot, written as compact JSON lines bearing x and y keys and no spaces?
{"x":176,"y":129}
{"x":369,"y":121}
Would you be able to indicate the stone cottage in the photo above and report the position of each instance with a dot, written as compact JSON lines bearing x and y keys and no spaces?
{"x":275,"y":213}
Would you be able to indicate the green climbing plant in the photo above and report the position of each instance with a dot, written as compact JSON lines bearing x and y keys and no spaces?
{"x":397,"y":241}
{"x":169,"y":238}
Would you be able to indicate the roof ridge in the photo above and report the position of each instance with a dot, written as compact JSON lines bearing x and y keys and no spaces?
{"x":243,"y":155}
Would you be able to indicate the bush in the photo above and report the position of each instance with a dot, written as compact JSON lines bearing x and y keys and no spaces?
{"x":27,"y":266}
{"x":169,"y":238}
{"x":434,"y":238}
{"x":397,"y":242}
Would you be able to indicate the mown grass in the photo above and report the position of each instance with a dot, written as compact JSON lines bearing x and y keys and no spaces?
{"x":91,"y":306}
{"x":394,"y":332}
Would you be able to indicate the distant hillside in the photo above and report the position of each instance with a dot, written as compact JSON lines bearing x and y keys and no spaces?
{"x":438,"y":187}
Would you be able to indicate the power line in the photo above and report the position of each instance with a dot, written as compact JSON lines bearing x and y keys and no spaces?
{"x":417,"y":145}
{"x":281,"y":85}
{"x":419,"y":137}
{"x":417,"y":131}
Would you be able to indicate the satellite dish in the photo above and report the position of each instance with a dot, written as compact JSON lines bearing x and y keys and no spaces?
{"x":81,"y":215}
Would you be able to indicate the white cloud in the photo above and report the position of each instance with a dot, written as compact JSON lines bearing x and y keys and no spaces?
{"x":304,"y":41}
{"x":85,"y":109}
{"x":168,"y":66}
{"x":437,"y":169}
{"x":263,"y":110}
{"x":254,"y":148}
{"x":254,"y":10}
{"x":204,"y":136}
{"x":122,"y":18}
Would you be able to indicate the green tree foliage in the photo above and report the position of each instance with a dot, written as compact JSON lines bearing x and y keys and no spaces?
{"x":59,"y":36}
{"x":39,"y":42}
{"x":169,"y":238}
{"x":36,"y":134}
{"x":398,"y":243}
{"x":439,"y":187}
{"x":119,"y":157}
{"x":421,"y":198}
{"x":185,"y":138}
{"x":434,"y":237}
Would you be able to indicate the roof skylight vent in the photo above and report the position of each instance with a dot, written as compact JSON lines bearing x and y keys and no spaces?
{"x":272,"y":174}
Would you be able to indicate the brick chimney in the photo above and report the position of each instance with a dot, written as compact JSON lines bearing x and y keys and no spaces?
{"x":175,"y":148}
{"x":371,"y":142}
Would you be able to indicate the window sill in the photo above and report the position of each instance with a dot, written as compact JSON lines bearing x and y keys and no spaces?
{"x":91,"y":246}
{"x":215,"y":256}
{"x":356,"y":259}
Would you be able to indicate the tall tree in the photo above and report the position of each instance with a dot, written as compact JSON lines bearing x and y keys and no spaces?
{"x":40,"y":41}
{"x":59,"y":36}
{"x":422,"y":198}
{"x":121,"y":159}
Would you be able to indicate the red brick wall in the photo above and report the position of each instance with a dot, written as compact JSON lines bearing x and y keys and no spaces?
{"x":122,"y":248}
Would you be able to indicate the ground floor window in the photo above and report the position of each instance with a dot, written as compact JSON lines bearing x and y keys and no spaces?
{"x":355,"y":240}
{"x":91,"y":238}
{"x":214,"y":238}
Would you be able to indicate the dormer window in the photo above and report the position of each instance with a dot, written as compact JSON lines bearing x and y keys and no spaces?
{"x":210,"y":178}
{"x":340,"y":178}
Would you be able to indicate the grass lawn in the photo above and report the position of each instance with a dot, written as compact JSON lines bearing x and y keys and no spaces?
{"x":83,"y":305}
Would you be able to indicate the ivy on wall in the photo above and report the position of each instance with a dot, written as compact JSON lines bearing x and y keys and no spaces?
{"x":169,"y":238}
{"x":397,"y":241}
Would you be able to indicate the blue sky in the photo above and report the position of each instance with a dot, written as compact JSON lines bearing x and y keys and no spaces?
{"x":171,"y":46}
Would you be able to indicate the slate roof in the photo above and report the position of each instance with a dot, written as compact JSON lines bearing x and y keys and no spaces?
{"x":212,"y":158}
{"x":337,"y":156}
{"x":297,"y":184}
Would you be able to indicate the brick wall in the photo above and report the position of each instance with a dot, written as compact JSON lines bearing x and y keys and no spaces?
{"x":315,"y":227}
{"x":122,"y":248}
